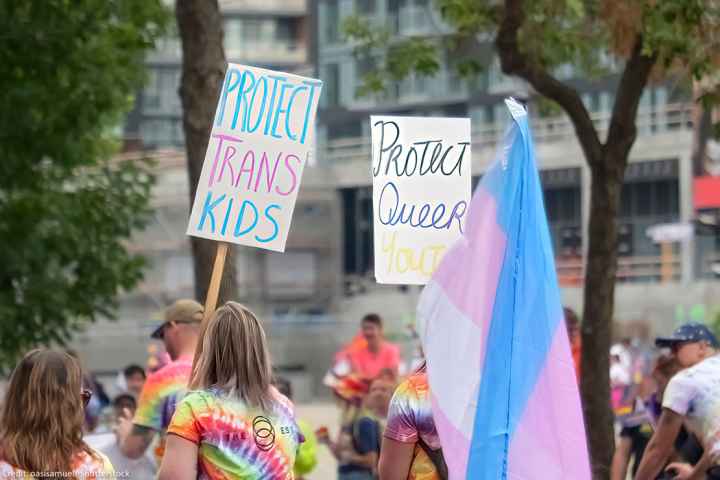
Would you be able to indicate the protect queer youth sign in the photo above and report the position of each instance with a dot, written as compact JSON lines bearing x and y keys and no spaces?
{"x":421,"y":189}
{"x":260,"y":141}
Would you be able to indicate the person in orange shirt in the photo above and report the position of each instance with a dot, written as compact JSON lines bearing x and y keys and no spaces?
{"x":573,"y":327}
{"x":377,"y":356}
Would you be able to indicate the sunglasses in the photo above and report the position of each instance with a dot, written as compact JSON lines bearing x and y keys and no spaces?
{"x":674,"y":348}
{"x":86,"y":395}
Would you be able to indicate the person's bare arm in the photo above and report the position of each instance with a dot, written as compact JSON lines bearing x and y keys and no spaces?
{"x":685,"y":471}
{"x":395,"y":459}
{"x":369,"y":460}
{"x":661,"y":444}
{"x":180,"y":459}
{"x":133,"y":439}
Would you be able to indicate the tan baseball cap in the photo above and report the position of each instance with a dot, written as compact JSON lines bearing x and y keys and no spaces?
{"x":182,"y":311}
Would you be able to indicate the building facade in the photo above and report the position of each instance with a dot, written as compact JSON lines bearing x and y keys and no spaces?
{"x":314,"y":294}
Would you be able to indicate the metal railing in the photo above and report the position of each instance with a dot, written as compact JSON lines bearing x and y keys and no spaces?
{"x":652,"y":269}
{"x":650,"y":121}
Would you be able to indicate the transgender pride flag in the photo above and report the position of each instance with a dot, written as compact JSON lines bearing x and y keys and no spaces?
{"x":505,"y":398}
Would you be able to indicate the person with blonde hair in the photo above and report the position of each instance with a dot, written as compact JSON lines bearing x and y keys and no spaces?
{"x":41,"y":425}
{"x":233,"y":423}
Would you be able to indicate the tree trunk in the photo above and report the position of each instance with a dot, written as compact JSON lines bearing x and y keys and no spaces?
{"x":599,"y":293}
{"x":203,"y":68}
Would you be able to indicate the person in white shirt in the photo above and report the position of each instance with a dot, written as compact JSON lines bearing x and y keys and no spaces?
{"x":692,"y":397}
{"x":142,"y":468}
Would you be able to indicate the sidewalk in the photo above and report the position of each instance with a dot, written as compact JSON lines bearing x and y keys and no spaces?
{"x":319,"y":414}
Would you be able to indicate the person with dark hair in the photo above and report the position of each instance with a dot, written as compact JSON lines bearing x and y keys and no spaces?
{"x":143,"y":468}
{"x":376,"y":355}
{"x":134,"y":376}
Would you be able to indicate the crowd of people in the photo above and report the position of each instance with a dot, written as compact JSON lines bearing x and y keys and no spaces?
{"x":214,"y":409}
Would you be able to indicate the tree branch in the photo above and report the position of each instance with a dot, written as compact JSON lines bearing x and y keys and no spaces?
{"x":622,"y":130}
{"x":514,"y":62}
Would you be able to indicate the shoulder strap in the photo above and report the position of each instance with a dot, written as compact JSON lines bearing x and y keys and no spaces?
{"x":436,"y":457}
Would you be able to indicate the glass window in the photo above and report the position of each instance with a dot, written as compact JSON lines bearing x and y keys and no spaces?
{"x":252,"y":31}
{"x":178,"y":273}
{"x":233,"y":35}
{"x":331,"y":86}
{"x":365,"y":7}
{"x":169,"y":80}
{"x":284,"y":32}
{"x":151,"y":94}
{"x":332,"y":21}
{"x":291,"y":273}
{"x":358,"y":231}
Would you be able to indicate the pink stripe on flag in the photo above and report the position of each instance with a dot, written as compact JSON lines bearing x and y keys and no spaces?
{"x":549,"y":441}
{"x":455,"y":445}
{"x":469,"y":276}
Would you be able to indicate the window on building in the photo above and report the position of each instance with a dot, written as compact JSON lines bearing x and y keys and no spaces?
{"x":562,"y":192}
{"x":365,"y":7}
{"x":233,"y":39}
{"x":178,"y":273}
{"x":331,"y":21}
{"x":393,"y":16}
{"x":290,"y":274}
{"x":159,"y":132}
{"x":169,"y":85}
{"x":650,"y":196}
{"x":358,"y":230}
{"x":331,"y":84}
{"x":152,"y":91}
{"x":252,"y":31}
{"x":285,"y":31}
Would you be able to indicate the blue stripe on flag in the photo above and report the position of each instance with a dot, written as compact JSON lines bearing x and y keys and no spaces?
{"x":527,"y":308}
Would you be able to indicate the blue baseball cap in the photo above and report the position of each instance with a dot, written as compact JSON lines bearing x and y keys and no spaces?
{"x":690,"y":332}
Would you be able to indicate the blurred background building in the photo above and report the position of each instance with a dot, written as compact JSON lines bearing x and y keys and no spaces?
{"x":314,"y":294}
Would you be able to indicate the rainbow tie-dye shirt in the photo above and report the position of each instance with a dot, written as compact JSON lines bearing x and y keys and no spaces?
{"x":410,"y":418}
{"x":83,"y":466}
{"x":236,"y":441}
{"x":160,"y":394}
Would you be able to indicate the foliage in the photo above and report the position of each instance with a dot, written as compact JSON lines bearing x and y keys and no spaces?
{"x":593,"y":36}
{"x":630,"y":43}
{"x":68,"y":70}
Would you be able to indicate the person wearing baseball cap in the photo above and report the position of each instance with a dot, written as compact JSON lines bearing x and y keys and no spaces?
{"x":165,"y":387}
{"x":691,"y":397}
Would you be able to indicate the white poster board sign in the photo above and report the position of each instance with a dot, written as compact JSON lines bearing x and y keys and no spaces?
{"x":260,"y":141}
{"x":421,"y":191}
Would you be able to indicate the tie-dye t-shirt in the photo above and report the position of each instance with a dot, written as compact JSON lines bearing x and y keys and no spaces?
{"x":410,"y":418}
{"x":160,"y":394}
{"x":695,"y":394}
{"x":84,"y":466}
{"x":236,"y":441}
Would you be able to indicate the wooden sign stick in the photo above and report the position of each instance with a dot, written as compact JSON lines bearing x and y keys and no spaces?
{"x":210,"y":304}
{"x":215,"y":279}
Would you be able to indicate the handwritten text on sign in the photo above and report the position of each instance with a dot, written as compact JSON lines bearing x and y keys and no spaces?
{"x":258,"y":148}
{"x":421,"y":191}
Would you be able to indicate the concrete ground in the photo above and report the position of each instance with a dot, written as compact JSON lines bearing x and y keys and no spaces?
{"x":319,"y":414}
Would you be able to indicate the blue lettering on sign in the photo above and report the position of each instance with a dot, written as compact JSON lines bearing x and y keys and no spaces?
{"x":267,"y":98}
{"x":392,"y":211}
{"x":276,"y":227}
{"x":207,"y":211}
